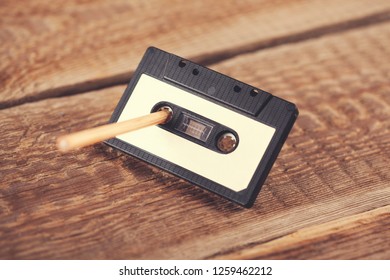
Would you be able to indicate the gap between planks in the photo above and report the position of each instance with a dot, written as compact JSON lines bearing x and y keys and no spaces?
{"x":207,"y":59}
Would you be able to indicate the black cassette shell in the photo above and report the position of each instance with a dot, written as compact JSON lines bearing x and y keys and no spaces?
{"x":224,"y":91}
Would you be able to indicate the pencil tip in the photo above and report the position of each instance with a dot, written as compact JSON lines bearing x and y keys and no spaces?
{"x":62,"y":144}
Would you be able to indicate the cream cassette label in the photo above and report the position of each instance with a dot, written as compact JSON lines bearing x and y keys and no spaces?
{"x":233,"y":170}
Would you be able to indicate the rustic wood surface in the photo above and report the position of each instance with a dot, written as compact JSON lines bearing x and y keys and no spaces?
{"x":64,"y":69}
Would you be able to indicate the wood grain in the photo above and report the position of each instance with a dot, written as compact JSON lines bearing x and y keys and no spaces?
{"x":99,"y":203}
{"x":360,"y":236}
{"x":48,"y":49}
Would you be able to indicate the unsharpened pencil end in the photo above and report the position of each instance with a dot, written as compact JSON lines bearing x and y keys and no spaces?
{"x":62,"y":144}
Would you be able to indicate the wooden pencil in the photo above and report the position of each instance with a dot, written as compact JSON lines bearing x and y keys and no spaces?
{"x":93,"y":135}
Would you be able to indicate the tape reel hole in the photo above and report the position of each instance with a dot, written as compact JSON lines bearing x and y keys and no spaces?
{"x":182,"y":63}
{"x":195,"y":71}
{"x":254,"y":92}
{"x":227,"y":142}
{"x":237,"y":88}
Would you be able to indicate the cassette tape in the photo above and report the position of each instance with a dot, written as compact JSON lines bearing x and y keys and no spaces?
{"x":223,"y":135}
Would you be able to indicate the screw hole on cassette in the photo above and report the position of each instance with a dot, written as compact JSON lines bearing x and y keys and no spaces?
{"x":182,"y":63}
{"x":237,"y":88}
{"x":195,"y":71}
{"x":254,"y":92}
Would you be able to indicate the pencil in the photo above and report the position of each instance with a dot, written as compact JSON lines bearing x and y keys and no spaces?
{"x":93,"y":135}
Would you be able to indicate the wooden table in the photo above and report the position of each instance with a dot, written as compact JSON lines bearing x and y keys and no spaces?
{"x":63,"y":67}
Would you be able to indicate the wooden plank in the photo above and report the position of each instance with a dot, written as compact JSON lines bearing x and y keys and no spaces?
{"x":54,"y":50}
{"x":99,"y":203}
{"x":361,"y":236}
